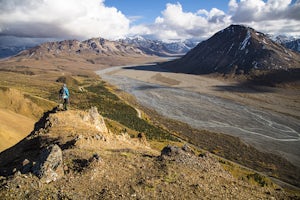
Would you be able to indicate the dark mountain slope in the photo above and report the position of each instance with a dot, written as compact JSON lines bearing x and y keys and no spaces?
{"x":236,"y":49}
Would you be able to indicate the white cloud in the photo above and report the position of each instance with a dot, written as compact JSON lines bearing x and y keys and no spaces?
{"x":56,"y":18}
{"x":258,"y":10}
{"x":177,"y":24}
{"x":271,"y":16}
{"x":82,"y":19}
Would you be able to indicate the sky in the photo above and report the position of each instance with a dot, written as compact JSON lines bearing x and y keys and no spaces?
{"x":167,"y":20}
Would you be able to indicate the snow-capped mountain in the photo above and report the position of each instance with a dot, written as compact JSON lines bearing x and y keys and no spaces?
{"x":293,"y":45}
{"x":281,"y":39}
{"x":181,"y":47}
{"x":236,"y":49}
{"x":159,"y":48}
{"x":289,"y":42}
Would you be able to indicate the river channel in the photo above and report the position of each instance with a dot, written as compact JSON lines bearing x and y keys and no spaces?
{"x":266,"y":130}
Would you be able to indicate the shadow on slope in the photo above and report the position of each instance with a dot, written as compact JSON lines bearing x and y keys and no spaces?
{"x":256,"y":81}
{"x":152,"y":67}
{"x":14,"y":158}
{"x":276,"y":77}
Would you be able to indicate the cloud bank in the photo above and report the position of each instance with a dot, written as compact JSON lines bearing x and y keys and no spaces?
{"x":271,"y":16}
{"x":56,"y":18}
{"x":82,"y":19}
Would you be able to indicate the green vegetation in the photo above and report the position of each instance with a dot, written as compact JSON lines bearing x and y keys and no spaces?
{"x":242,"y":173}
{"x":261,"y":180}
{"x":111,"y":106}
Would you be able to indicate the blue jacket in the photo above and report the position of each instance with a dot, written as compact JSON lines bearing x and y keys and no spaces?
{"x":65,"y":93}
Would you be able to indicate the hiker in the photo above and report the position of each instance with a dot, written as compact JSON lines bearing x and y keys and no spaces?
{"x":64,"y":94}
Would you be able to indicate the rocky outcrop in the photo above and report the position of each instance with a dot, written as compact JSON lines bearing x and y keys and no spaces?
{"x":94,"y":118}
{"x":50,"y":165}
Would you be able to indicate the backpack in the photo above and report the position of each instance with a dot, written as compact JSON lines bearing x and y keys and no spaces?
{"x":62,"y":92}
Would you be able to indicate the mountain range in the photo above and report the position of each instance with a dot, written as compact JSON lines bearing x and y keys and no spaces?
{"x":96,"y":46}
{"x":147,"y":46}
{"x":159,"y":48}
{"x":294,"y":45}
{"x":237,"y":49}
{"x":135,"y":45}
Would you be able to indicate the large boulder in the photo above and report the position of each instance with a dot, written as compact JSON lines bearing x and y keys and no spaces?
{"x":95,"y":119}
{"x":50,"y":165}
{"x":184,"y":155}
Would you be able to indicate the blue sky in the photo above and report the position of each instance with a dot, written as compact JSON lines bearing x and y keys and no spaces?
{"x":166,"y":20}
{"x":147,"y":11}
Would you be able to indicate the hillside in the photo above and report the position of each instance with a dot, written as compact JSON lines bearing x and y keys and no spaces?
{"x":237,"y":50}
{"x":73,"y":155}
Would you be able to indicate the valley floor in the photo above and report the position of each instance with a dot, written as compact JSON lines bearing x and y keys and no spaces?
{"x":267,"y":118}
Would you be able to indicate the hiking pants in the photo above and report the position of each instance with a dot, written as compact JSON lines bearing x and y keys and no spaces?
{"x":65,"y":104}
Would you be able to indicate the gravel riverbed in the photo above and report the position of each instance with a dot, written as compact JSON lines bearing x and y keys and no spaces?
{"x":264,"y":129}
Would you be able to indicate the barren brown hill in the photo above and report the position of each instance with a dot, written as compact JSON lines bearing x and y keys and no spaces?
{"x":96,"y":46}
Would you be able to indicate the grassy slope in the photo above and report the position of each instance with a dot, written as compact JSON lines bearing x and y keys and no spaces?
{"x":11,"y":132}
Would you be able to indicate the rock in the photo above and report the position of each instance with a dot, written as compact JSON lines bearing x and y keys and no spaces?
{"x":26,"y":166}
{"x":170,"y":151}
{"x":188,"y":149}
{"x":143,"y":139}
{"x":96,"y":120}
{"x":95,"y":157}
{"x":60,"y":107}
{"x":179,"y":155}
{"x":50,"y":165}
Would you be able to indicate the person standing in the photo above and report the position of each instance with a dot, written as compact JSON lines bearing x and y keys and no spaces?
{"x":64,"y":94}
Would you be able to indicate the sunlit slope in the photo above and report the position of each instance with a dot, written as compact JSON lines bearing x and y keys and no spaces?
{"x":13,"y":128}
{"x":17,"y":116}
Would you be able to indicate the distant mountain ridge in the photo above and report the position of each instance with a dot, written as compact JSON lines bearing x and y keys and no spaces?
{"x":293,"y":45}
{"x":289,"y":42}
{"x":236,"y":49}
{"x":95,"y":46}
{"x":145,"y":46}
{"x":129,"y":46}
{"x":159,"y":48}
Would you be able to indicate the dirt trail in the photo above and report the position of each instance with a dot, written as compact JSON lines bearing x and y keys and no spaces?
{"x":254,"y":117}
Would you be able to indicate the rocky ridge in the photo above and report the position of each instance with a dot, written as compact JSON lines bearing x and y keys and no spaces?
{"x":73,"y":155}
{"x":94,"y":46}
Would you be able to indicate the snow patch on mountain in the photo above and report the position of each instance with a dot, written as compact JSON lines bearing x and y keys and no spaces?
{"x":245,"y":42}
{"x":160,"y":48}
